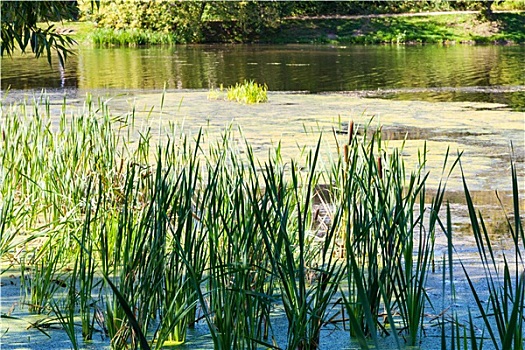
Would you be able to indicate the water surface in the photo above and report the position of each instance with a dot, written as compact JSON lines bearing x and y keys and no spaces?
{"x":470,"y":79}
{"x":432,"y":73}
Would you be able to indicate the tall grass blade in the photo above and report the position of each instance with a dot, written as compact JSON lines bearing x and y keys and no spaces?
{"x":130,"y":315}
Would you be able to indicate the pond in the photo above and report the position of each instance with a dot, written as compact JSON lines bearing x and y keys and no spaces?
{"x":431,"y":72}
{"x":466,"y":99}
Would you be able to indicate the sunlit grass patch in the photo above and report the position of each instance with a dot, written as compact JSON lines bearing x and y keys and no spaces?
{"x":444,"y":28}
{"x":104,"y":37}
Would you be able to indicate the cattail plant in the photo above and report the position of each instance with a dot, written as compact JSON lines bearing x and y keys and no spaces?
{"x":503,"y":316}
{"x":141,"y":237}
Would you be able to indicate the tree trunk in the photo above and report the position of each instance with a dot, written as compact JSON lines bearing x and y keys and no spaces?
{"x":486,"y":12}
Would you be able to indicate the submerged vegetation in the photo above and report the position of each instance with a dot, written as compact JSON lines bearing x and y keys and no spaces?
{"x":137,"y":239}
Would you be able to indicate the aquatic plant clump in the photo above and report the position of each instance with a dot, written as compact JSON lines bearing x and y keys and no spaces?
{"x":141,"y":239}
{"x":248,"y":92}
{"x":108,"y":37}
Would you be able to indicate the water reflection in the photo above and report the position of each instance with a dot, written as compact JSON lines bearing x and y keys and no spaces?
{"x":24,"y":72}
{"x":456,"y":73}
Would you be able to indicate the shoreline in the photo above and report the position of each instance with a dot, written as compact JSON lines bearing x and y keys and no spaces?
{"x":396,"y":28}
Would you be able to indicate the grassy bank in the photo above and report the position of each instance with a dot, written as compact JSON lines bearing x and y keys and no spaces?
{"x":136,"y":241}
{"x":446,"y":28}
{"x":464,"y":28}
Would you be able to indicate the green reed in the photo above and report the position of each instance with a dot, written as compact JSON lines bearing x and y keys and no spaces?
{"x":84,"y":270}
{"x":66,"y":313}
{"x":381,"y":224}
{"x":154,"y":214}
{"x":178,"y":302}
{"x":146,"y":237}
{"x":503,"y":316}
{"x":9,"y":229}
{"x":499,"y":304}
{"x":235,"y":301}
{"x":108,"y":37}
{"x":285,"y":218}
{"x":138,"y":258}
{"x":248,"y":92}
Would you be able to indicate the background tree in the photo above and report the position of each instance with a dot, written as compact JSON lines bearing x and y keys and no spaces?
{"x":246,"y":20}
{"x":27,"y":23}
{"x":486,"y":11}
